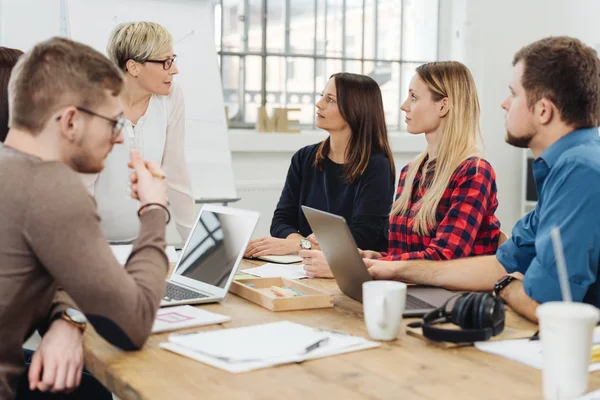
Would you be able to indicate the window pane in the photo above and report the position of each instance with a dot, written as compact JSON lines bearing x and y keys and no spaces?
{"x":408,"y":72}
{"x":290,"y":85}
{"x":302,"y":26}
{"x":370,"y":27}
{"x":320,"y":77}
{"x":276,"y":26}
{"x":252,"y":95}
{"x":321,"y":26}
{"x":254,"y":22}
{"x":333,"y":29}
{"x":387,"y":75}
{"x":420,"y":30}
{"x":231,"y":76}
{"x":233,"y":25}
{"x":388,"y":33}
{"x":331,"y":67}
{"x":354,"y":67}
{"x":354,"y":17}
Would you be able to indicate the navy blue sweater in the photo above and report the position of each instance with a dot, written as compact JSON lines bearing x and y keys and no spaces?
{"x":364,"y":204}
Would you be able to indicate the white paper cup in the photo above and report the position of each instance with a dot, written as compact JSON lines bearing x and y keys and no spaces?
{"x":566,"y":332}
{"x":383,"y":305}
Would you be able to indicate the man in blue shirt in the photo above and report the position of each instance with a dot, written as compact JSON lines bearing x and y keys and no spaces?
{"x":553,"y":109}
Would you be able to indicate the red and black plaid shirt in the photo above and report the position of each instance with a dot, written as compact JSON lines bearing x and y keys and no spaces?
{"x":466,"y":226}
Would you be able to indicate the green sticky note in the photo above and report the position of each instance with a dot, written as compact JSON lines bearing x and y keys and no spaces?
{"x":241,"y":276}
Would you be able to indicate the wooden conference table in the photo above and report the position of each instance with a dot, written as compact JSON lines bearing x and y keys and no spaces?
{"x":407,"y":368}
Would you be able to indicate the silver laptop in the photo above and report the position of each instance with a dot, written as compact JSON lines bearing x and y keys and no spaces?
{"x":211,"y":256}
{"x":349,"y":270}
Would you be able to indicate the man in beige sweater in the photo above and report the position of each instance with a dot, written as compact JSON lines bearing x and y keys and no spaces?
{"x":65,"y":117}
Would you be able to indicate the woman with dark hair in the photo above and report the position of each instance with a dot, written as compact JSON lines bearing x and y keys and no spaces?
{"x":351,"y":173}
{"x":8,"y":59}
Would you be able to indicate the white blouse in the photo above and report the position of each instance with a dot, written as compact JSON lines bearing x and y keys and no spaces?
{"x":159,"y":135}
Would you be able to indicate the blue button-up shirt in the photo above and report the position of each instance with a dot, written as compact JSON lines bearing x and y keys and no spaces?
{"x":567,"y":176}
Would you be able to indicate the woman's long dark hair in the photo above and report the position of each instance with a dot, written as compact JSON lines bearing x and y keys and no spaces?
{"x":360,"y":104}
{"x":8,"y":59}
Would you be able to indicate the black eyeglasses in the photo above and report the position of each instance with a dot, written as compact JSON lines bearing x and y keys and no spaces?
{"x":117,"y":124}
{"x":167,"y":64}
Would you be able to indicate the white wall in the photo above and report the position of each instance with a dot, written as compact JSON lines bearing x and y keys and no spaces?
{"x":485,"y":34}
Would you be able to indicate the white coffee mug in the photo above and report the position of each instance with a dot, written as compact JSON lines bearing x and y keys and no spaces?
{"x":566,"y":333}
{"x":383,"y":305}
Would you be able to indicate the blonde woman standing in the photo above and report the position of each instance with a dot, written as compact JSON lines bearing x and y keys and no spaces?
{"x":154,"y":109}
{"x":446,"y":198}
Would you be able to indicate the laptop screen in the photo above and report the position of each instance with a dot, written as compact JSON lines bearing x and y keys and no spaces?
{"x":214,"y":246}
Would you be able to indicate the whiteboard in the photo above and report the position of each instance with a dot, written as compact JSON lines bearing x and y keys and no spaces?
{"x":192,"y":25}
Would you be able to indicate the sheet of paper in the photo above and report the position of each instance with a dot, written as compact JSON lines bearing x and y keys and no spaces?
{"x":258,"y":342}
{"x":595,"y":395}
{"x":528,"y":352}
{"x":338,"y":343}
{"x":277,"y":270}
{"x":122,"y":251}
{"x":179,"y":317}
{"x":282,"y":259}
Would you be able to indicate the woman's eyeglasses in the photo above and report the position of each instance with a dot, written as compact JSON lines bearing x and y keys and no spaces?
{"x":167,"y":64}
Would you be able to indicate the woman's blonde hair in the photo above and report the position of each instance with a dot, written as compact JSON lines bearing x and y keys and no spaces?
{"x":138,"y":41}
{"x":457,"y":141}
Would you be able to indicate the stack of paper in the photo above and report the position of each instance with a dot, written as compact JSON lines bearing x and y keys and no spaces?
{"x":277,"y":271}
{"x":179,"y":317}
{"x":245,"y":349}
{"x":528,"y":352}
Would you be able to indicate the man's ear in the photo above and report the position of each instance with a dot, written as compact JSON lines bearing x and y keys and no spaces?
{"x":444,"y":107}
{"x":69,"y":124}
{"x":544,"y":111}
{"x":132,"y":67}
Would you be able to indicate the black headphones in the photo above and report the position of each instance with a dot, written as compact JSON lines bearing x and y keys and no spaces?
{"x":479,"y":315}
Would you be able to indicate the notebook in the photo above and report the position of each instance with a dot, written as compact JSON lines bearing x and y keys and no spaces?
{"x":277,"y":270}
{"x":180,"y":317}
{"x":249,"y":348}
{"x":122,"y":251}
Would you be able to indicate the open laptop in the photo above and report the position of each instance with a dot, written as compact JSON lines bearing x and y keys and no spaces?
{"x":348,"y":268}
{"x":211,"y":256}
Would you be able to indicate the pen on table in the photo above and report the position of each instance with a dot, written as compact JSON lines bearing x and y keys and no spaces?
{"x":317,"y":345}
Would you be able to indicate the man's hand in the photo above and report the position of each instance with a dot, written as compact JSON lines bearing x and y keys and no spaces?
{"x":148,"y":181}
{"x":369,"y":254}
{"x":315,"y":264}
{"x":57,"y":364}
{"x":383,"y":270}
{"x":270,"y":246}
{"x":313,"y":239}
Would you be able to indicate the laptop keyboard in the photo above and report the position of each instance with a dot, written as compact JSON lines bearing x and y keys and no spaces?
{"x":175,"y":293}
{"x":413,"y":303}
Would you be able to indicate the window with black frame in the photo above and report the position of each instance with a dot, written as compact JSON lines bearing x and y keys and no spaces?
{"x":280,"y":53}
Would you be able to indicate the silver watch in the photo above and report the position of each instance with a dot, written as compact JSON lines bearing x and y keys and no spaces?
{"x":305,"y":244}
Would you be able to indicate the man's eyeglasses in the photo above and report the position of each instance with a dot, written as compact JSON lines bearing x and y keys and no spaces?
{"x":167,"y":64}
{"x":117,"y":124}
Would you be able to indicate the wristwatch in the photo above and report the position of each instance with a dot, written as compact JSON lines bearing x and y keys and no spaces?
{"x":72,"y":316}
{"x":305,"y":244}
{"x":502,"y":283}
